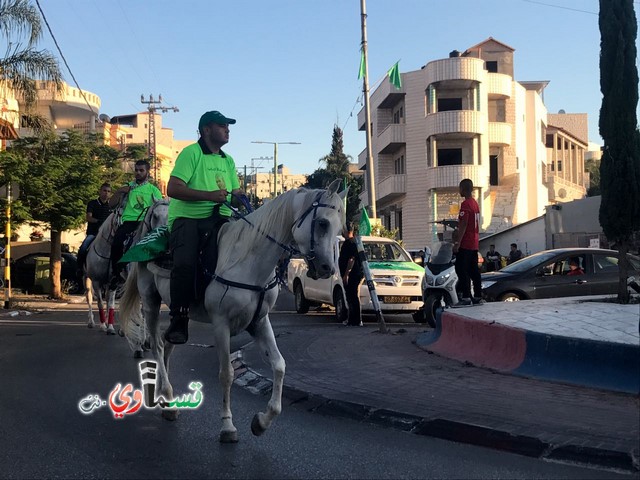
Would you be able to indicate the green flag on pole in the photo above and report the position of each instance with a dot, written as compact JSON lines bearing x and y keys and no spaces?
{"x":394,"y":76}
{"x":362,"y":70}
{"x":365,"y":225}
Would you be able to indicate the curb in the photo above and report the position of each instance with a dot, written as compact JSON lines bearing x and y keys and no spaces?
{"x":588,"y":363}
{"x":442,"y":428}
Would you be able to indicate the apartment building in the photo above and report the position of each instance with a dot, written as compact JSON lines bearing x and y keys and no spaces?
{"x":261,"y":184}
{"x":465,"y":116}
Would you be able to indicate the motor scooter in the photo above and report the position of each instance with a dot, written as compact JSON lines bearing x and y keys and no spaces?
{"x":439,"y":282}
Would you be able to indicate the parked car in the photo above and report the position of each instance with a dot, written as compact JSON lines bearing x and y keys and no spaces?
{"x":23,"y":273}
{"x":547,"y":275}
{"x":396,"y":277}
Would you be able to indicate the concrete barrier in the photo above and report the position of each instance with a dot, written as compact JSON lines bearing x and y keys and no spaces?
{"x":591,"y":363}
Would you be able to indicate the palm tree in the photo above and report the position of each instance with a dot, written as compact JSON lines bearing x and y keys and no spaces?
{"x":22,"y":64}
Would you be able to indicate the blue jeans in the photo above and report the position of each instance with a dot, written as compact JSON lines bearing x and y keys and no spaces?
{"x":82,"y":251}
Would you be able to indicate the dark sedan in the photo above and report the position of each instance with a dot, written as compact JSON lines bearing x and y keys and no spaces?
{"x":23,"y":273}
{"x":564,"y":272}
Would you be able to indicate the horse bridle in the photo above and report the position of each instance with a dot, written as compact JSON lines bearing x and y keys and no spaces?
{"x":309,"y":257}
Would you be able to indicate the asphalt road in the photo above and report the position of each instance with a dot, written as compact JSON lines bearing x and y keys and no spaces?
{"x":48,"y":362}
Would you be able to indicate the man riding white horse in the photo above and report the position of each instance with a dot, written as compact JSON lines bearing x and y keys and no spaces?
{"x":140,"y":195}
{"x":202,"y":179}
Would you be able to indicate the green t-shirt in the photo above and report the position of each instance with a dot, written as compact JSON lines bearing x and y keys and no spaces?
{"x":202,"y":171}
{"x":139,"y":198}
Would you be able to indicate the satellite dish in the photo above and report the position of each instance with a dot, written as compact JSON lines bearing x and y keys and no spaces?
{"x":561,"y":111}
{"x":104,"y":118}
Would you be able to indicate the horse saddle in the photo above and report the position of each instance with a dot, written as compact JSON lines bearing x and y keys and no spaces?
{"x":207,"y":258}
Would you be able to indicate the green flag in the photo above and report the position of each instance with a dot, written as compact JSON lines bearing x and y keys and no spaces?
{"x":394,"y":76}
{"x":154,"y":244}
{"x":365,"y":224}
{"x":362,"y":70}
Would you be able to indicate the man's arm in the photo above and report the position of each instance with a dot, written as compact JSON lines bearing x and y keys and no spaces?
{"x":462,"y":227}
{"x":118,"y":195}
{"x":179,"y":190}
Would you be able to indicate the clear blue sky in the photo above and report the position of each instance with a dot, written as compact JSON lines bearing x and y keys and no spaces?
{"x":287,"y":69}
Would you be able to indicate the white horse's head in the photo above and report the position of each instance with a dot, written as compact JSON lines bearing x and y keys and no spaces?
{"x":320,"y":217}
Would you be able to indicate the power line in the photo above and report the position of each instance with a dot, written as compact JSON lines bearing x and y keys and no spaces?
{"x":562,"y":7}
{"x":55,"y":41}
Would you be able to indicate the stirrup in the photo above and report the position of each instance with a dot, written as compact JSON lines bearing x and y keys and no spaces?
{"x":178,"y":330}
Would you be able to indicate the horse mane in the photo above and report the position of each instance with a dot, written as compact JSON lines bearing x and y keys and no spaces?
{"x":145,"y":225}
{"x":269,"y":218}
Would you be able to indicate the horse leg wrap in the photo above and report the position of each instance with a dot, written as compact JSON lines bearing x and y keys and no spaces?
{"x":112,"y":316}
{"x":103,"y":316}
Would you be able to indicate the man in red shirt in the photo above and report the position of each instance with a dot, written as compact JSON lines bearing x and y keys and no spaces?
{"x":466,"y":246}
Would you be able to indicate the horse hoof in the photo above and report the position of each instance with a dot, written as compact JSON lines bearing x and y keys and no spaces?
{"x":256,"y":428}
{"x":89,"y":325}
{"x":138,"y":354}
{"x":171,"y":415}
{"x":229,"y":437}
{"x":121,"y":332}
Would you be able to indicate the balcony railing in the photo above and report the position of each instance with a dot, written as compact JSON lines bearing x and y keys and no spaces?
{"x":391,"y":138}
{"x":499,"y":85}
{"x":392,"y":187}
{"x":456,"y":121}
{"x":449,"y":176}
{"x":457,"y":68}
{"x":499,"y":133}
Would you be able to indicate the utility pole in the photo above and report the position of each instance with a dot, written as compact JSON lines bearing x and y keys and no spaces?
{"x":367,"y":111}
{"x":153,"y":107}
{"x":275,"y":162}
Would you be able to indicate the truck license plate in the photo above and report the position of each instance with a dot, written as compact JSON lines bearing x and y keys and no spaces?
{"x":396,"y":299}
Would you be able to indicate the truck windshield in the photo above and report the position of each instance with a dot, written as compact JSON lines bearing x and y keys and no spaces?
{"x":385,"y":252}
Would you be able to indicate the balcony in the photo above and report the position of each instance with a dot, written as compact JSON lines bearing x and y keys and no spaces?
{"x":499,"y":133}
{"x":385,"y":96}
{"x":392,"y":138}
{"x":457,"y":68}
{"x":362,"y":158}
{"x":456,"y":121}
{"x":561,"y":190}
{"x":449,"y":176}
{"x":499,"y":85}
{"x":392,"y":187}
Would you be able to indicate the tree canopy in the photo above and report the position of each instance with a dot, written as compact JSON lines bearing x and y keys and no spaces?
{"x":337,"y":166}
{"x":620,"y":164}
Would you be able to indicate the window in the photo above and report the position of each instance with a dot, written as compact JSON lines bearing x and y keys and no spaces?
{"x":449,"y":156}
{"x":549,"y":142}
{"x":492,"y":66}
{"x":605,"y":263}
{"x":399,"y":167}
{"x":398,"y":115}
{"x":448,"y":104}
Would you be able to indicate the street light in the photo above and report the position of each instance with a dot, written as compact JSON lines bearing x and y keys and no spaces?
{"x":275,"y":161}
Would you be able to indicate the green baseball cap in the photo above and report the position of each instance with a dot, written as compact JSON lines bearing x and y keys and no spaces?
{"x":214,"y":117}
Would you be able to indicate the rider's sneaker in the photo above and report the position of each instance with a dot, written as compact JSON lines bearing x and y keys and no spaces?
{"x":464,"y":302}
{"x":103,"y":327}
{"x":477,"y":300}
{"x":178,"y":331}
{"x":111,"y":330}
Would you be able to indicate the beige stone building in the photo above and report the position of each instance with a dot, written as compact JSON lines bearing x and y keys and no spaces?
{"x":72,"y":108}
{"x":466,"y":116}
{"x":261,"y":184}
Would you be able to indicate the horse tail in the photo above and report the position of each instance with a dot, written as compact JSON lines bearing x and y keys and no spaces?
{"x":131,"y":318}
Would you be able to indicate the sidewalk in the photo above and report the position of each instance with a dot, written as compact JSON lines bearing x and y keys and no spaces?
{"x":387,"y":379}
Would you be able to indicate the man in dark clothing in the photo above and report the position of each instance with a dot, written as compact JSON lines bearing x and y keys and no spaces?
{"x":352,"y":275}
{"x":493,"y":259}
{"x":97,"y":212}
{"x":514,"y":254}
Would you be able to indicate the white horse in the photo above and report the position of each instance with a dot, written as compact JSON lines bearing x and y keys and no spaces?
{"x":97,"y":269}
{"x":242,"y":292}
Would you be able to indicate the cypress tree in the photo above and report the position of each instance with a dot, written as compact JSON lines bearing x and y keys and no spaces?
{"x":620,"y":165}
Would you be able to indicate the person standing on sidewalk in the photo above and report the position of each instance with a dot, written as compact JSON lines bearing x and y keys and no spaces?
{"x":352,"y":275}
{"x":467,"y":245}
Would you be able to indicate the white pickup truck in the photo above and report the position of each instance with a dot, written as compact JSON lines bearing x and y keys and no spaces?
{"x":397,"y":279}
